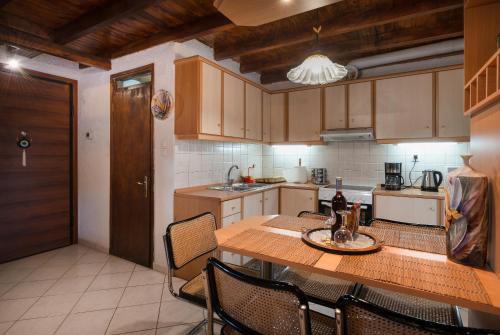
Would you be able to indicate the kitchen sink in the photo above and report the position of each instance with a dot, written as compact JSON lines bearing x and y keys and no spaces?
{"x":240,"y":187}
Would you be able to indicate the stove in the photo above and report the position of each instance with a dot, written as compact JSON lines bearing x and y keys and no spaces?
{"x":352,"y":194}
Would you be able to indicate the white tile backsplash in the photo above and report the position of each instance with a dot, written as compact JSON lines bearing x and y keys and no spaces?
{"x":359,"y":163}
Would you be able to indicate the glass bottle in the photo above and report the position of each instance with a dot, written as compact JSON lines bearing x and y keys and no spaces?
{"x":343,"y":235}
{"x":339,"y":203}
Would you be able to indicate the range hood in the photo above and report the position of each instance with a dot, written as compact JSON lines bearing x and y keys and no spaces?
{"x":359,"y":134}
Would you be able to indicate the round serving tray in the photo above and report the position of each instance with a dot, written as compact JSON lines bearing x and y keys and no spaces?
{"x":364,"y":243}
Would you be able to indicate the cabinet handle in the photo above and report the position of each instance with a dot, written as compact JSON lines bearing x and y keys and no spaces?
{"x":218,"y":124}
{"x":260,"y":201}
{"x":341,"y":120}
{"x":233,"y":207}
{"x":443,"y":126}
{"x":310,"y":198}
{"x":242,"y":128}
{"x":427,"y":127}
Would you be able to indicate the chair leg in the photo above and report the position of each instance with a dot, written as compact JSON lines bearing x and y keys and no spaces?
{"x":197,"y":328}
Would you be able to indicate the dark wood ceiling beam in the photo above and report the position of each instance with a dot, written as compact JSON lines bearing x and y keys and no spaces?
{"x":205,"y":26}
{"x":21,"y":24}
{"x":28,"y":41}
{"x":351,"y":49}
{"x":349,"y":23}
{"x":273,"y":77}
{"x":4,"y":3}
{"x":99,"y":18}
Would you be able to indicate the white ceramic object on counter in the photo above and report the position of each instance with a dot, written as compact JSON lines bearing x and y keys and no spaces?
{"x":296,"y":174}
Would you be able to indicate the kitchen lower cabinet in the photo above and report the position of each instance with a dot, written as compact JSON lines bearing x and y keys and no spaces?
{"x":231,"y":257}
{"x":252,"y":205}
{"x":271,"y":202}
{"x":404,"y":107}
{"x":304,"y":115}
{"x":410,"y":210}
{"x":293,"y":201}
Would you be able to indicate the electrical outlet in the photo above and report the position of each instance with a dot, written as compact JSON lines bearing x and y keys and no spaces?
{"x":415,"y":158}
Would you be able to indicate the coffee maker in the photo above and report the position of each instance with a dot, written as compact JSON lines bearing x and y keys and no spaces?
{"x":393,"y":176}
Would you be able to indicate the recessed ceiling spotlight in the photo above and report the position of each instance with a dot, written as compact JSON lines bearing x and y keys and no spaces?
{"x":13,"y":64}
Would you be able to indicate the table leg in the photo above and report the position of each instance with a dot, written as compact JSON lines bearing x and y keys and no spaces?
{"x":266,"y":271}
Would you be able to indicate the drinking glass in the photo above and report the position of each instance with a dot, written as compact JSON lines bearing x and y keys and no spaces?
{"x":343,"y":235}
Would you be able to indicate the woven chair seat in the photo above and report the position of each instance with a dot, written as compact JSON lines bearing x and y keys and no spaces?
{"x":409,"y":305}
{"x":320,"y":289}
{"x":320,"y":325}
{"x":194,"y":289}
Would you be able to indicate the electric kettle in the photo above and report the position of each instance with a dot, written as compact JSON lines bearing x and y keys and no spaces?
{"x":431,"y":180}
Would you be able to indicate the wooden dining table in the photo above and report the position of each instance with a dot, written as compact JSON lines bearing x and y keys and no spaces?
{"x":418,"y":273}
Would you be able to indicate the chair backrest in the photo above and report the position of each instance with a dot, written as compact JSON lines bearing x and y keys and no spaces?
{"x":189,"y":239}
{"x":256,"y":306}
{"x":313,"y":215}
{"x":359,"y":317}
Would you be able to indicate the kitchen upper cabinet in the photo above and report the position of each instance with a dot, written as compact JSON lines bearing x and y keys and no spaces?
{"x":252,"y":205}
{"x":211,"y":104}
{"x":294,"y":201}
{"x":278,"y":105}
{"x":335,"y":107}
{"x":253,"y":112}
{"x":234,"y":106}
{"x":409,"y":210}
{"x":266,"y":117}
{"x":360,"y":105}
{"x":304,"y":115}
{"x":271,"y":202}
{"x":451,"y":121}
{"x":404,"y":107}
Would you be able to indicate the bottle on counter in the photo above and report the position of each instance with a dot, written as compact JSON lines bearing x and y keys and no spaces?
{"x":339,"y":203}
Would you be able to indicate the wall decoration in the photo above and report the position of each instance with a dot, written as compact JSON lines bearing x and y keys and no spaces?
{"x":161,"y":104}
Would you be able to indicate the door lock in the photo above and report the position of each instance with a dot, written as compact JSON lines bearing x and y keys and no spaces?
{"x":145,"y":184}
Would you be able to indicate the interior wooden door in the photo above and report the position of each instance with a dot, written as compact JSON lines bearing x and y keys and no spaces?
{"x":131,"y":168}
{"x":35,"y":198}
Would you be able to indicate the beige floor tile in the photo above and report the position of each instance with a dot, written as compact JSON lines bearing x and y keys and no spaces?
{"x":178,"y":312}
{"x":82,"y":270}
{"x":135,"y":318}
{"x":116,"y":265}
{"x":107,"y":281}
{"x":143,"y":332}
{"x":146,"y":278}
{"x":52,"y":305}
{"x":43,"y":326}
{"x":97,"y":300}
{"x":74,"y":250}
{"x":5,"y":287}
{"x":31,"y":262}
{"x":140,"y":295}
{"x":141,"y":268}
{"x":176,"y":330}
{"x":94,"y":323}
{"x":13,"y":275}
{"x":62,"y":259}
{"x":177,"y":283}
{"x":4,"y":326}
{"x":93,"y":257}
{"x":70,"y":285}
{"x":12,"y":310}
{"x":47,"y":272}
{"x":29,"y":289}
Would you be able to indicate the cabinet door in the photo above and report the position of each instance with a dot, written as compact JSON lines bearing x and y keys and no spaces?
{"x":294,"y":201}
{"x":450,"y":104}
{"x":231,"y":257}
{"x":211,"y":102}
{"x":335,"y":107}
{"x":404,"y":107}
{"x":360,"y":105}
{"x":271,"y":202}
{"x":234,"y":106}
{"x":278,"y":117}
{"x":304,"y":115}
{"x":266,"y":117}
{"x":409,"y":210}
{"x":253,"y":112}
{"x":426,"y":211}
{"x":252,"y":205}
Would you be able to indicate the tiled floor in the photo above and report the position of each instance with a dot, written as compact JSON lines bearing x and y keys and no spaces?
{"x":76,"y":290}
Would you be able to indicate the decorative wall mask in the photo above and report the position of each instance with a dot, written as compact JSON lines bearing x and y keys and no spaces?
{"x":161,"y":104}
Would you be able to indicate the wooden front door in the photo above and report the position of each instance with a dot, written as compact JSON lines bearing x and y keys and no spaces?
{"x":131,"y":166}
{"x":35,"y":196}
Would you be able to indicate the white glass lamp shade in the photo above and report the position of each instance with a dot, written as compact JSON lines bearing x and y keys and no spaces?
{"x":317,"y":69}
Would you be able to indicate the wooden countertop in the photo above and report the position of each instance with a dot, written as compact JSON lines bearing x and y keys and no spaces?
{"x":204,"y":192}
{"x":328,"y":264}
{"x":410,"y":193}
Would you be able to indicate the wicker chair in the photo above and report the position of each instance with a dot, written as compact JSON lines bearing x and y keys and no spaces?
{"x":320,"y":289}
{"x":188,"y":244}
{"x":356,"y":316}
{"x":251,"y":305}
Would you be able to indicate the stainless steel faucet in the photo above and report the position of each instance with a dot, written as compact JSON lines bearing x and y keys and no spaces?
{"x":229,"y":180}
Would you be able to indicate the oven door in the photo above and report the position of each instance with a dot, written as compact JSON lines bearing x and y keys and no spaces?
{"x":366,"y":213}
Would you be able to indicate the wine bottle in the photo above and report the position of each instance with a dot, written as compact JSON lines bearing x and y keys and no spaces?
{"x":338,"y":204}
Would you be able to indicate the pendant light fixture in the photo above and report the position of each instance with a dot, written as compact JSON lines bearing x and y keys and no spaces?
{"x":317,"y":68}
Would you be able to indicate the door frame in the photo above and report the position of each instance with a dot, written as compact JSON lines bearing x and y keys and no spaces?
{"x":112,"y":79}
{"x":73,"y":117}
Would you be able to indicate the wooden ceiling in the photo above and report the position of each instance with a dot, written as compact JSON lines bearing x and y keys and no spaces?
{"x":92,"y":32}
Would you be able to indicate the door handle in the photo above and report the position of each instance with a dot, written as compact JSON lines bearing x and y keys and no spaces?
{"x":145,"y":184}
